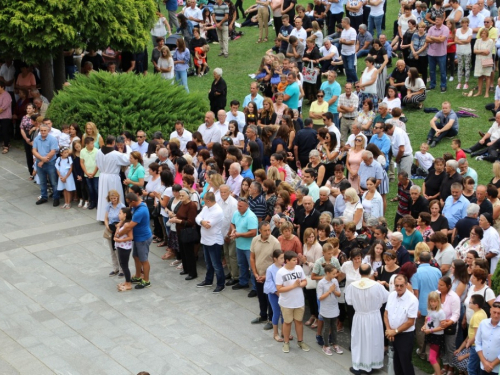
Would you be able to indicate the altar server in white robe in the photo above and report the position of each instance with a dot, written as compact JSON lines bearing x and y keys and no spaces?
{"x":109,"y":161}
{"x":367,"y":333}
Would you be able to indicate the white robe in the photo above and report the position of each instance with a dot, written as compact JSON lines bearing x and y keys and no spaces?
{"x":367,"y":334}
{"x":109,"y":178}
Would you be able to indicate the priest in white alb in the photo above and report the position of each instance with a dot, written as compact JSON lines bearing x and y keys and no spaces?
{"x":109,"y":161}
{"x":367,"y":333}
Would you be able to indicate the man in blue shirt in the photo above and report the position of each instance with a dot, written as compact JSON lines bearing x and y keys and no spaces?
{"x":369,"y":168}
{"x":254,"y":96}
{"x":143,"y":237}
{"x":382,"y":141}
{"x":257,"y":201}
{"x":292,"y":92}
{"x":244,"y":226}
{"x":305,"y":141}
{"x":332,"y":91}
{"x":423,"y":282}
{"x":45,"y":148}
{"x":443,"y":124}
{"x":455,"y":206}
{"x":488,"y":342}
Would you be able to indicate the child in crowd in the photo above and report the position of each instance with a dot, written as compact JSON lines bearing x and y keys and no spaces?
{"x":290,"y":280}
{"x":272,"y":292}
{"x":64,"y":139}
{"x":80,"y":185}
{"x":328,"y":291}
{"x":317,"y":274}
{"x":310,"y":10}
{"x":276,"y":75}
{"x":283,"y":83}
{"x":264,"y":69}
{"x":456,"y":146}
{"x":66,"y":183}
{"x":434,"y":334}
{"x":284,"y":32}
{"x":317,"y":34}
{"x":123,"y":244}
{"x":423,"y":161}
{"x":88,"y":157}
{"x":200,"y":59}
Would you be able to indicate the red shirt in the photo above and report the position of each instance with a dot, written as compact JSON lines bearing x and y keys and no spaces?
{"x":461,"y":154}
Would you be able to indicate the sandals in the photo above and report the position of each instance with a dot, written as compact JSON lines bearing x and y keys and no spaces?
{"x":265,"y":40}
{"x":162,"y":244}
{"x":278,"y":338}
{"x":311,"y":320}
{"x":5,"y":150}
{"x":258,"y":41}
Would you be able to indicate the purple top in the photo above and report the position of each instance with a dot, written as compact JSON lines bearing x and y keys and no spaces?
{"x":438,"y":49}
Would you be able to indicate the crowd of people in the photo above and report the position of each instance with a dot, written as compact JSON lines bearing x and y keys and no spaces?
{"x":293,"y":209}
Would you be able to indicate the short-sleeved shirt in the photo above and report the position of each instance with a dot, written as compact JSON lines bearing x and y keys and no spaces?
{"x":220,"y":11}
{"x":142,"y":230}
{"x":398,"y":76}
{"x":331,"y":90}
{"x":350,"y":35}
{"x":291,"y":12}
{"x":477,"y":318}
{"x":438,"y":49}
{"x":294,"y":91}
{"x":446,"y":256}
{"x":306,"y":141}
{"x":44,"y":146}
{"x":89,"y":158}
{"x":444,"y":119}
{"x":329,"y":307}
{"x":363,"y":38}
{"x":400,"y":309}
{"x":318,"y":268}
{"x":263,"y":251}
{"x":243,"y":224}
{"x":425,"y":281}
{"x":294,"y":298}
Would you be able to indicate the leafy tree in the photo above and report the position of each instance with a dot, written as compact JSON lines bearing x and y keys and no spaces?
{"x":37,"y":31}
{"x":117,"y":102}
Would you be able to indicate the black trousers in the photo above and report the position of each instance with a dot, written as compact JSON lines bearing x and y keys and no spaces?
{"x":123,"y":257}
{"x":239,"y":6}
{"x":491,"y":107}
{"x":188,"y":258}
{"x":312,"y":298}
{"x":491,"y":150}
{"x":6,"y":125}
{"x":266,"y":311}
{"x":403,"y":345}
{"x":422,"y":64}
{"x":29,"y":156}
{"x":334,"y":19}
{"x":277,"y":24}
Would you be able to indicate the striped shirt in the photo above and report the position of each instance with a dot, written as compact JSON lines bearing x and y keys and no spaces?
{"x":258,"y":206}
{"x":352,"y":101}
{"x":220,"y":11}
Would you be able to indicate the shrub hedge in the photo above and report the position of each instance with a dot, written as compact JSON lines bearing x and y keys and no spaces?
{"x":118,"y":102}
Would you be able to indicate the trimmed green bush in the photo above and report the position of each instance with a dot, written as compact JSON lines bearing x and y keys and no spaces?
{"x":495,"y":281}
{"x":127,"y":102}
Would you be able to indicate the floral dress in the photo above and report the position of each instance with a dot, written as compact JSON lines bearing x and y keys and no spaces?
{"x":426,"y":233}
{"x":464,"y":246}
{"x":363,"y":119}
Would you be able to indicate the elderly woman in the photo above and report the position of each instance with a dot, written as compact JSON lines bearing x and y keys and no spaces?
{"x":490,"y":240}
{"x":432,"y":183}
{"x":218,"y":92}
{"x":323,"y":203}
{"x":298,"y":208}
{"x":424,"y":227}
{"x":289,"y":241}
{"x":418,"y":203}
{"x":397,"y":245}
{"x":479,"y":285}
{"x":439,"y":223}
{"x":333,"y":182}
{"x":365,"y":117}
{"x":450,"y":303}
{"x":315,"y":163}
{"x":110,"y":220}
{"x":484,"y":62}
{"x":353,"y":208}
{"x":411,"y":236}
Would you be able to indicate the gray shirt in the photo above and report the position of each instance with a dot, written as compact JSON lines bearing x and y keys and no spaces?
{"x":363,"y":38}
{"x":300,"y":51}
{"x":329,"y":307}
{"x":443,"y":119}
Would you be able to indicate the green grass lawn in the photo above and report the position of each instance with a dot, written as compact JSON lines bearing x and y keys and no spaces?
{"x":244,"y":58}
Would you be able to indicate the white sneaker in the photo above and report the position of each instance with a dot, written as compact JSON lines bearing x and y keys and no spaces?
{"x":86,"y":205}
{"x":451,"y":79}
{"x":81,"y":203}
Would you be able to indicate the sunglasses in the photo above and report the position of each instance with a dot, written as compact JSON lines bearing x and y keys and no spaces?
{"x":359,"y":140}
{"x":320,"y":96}
{"x":377,"y":127}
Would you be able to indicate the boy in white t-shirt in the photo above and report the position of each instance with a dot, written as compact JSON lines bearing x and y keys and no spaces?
{"x":423,"y":160}
{"x":290,"y":280}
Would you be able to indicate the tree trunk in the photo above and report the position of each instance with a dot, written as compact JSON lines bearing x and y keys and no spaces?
{"x":59,"y":71}
{"x":47,"y":78}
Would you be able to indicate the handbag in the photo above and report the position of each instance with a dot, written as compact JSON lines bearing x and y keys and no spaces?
{"x":309,"y":73}
{"x":189,"y":235}
{"x":487,"y":63}
{"x":107,"y":234}
{"x":156,"y":211}
{"x":451,"y":330}
{"x":311,"y":284}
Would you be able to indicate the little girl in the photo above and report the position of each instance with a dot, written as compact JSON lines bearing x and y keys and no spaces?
{"x":433,"y":331}
{"x":64,"y":167}
{"x":123,"y":244}
{"x":272,"y":292}
{"x":80,"y":185}
{"x":451,"y":49}
{"x":276,"y":73}
{"x":264,"y":69}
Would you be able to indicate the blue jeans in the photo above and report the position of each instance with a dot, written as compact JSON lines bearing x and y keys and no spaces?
{"x":336,"y":120}
{"x":70,"y":71}
{"x":350,"y":69}
{"x":474,"y":365}
{"x":213,"y":259}
{"x":450,"y":133}
{"x":93,"y":186}
{"x":441,"y":61}
{"x":181,"y":78}
{"x":375,"y":22}
{"x":362,"y":53}
{"x":243,"y":257}
{"x":273,"y":301}
{"x":48,"y":170}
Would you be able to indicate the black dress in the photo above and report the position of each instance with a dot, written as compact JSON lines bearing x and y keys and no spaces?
{"x":218,"y":95}
{"x":311,"y":89}
{"x":433,"y":182}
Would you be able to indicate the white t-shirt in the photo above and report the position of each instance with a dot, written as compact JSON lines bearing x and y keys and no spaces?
{"x":326,"y":52}
{"x":319,"y":38}
{"x":350,"y":35}
{"x":294,"y":298}
{"x":239,"y":137}
{"x":403,"y":22}
{"x":166,"y":63}
{"x":400,"y":138}
{"x":463,"y":49}
{"x":434,"y":319}
{"x":424,"y":160}
{"x":300,"y":34}
{"x":329,"y":307}
{"x":8,"y":73}
{"x":195,"y":13}
{"x":483,"y":292}
{"x":419,"y":84}
{"x":394,"y":103}
{"x":377,"y":10}
{"x":494,"y":132}
{"x":159,"y":28}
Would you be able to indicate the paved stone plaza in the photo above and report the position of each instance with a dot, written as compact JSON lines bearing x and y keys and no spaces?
{"x":61,"y":314}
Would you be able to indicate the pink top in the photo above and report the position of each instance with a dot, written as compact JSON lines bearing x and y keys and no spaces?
{"x":355,"y":159}
{"x":438,"y":49}
{"x":29,"y":80}
{"x":451,"y":306}
{"x":6,"y":105}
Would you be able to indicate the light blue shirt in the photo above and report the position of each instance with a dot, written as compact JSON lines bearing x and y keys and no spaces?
{"x":332,"y":89}
{"x":372,"y":170}
{"x":44,"y":146}
{"x":455,"y":211}
{"x":384,"y":144}
{"x":113,"y":212}
{"x":243,"y":224}
{"x":425,"y":281}
{"x":313,"y":191}
{"x":339,"y":206}
{"x":488,"y":341}
{"x":337,"y":8}
{"x":258,"y":100}
{"x":388,"y":48}
{"x":471,"y":173}
{"x":140,"y":148}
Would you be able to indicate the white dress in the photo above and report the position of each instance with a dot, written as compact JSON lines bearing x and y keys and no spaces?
{"x":63,"y":166}
{"x":367,"y":334}
{"x":109,"y":165}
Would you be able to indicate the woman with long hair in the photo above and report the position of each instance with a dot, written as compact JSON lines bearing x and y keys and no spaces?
{"x":267,"y":116}
{"x":463,"y":38}
{"x":415,"y":87}
{"x":254,"y":150}
{"x":329,"y":149}
{"x":91,"y":131}
{"x":483,"y":50}
{"x":182,"y":58}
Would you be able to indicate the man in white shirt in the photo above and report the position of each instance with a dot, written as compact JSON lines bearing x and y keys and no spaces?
{"x":348,"y":40}
{"x":183,"y":135}
{"x":236,"y":115}
{"x":329,"y":53}
{"x":7,"y":75}
{"x":222,"y":124}
{"x":489,"y":143}
{"x":355,"y":130}
{"x":209,"y":131}
{"x":193,"y":13}
{"x":401,"y":148}
{"x":400,"y":314}
{"x":56,"y":133}
{"x":330,"y":125}
{"x":229,"y":206}
{"x":141,"y":145}
{"x":299,"y":31}
{"x":482,"y":11}
{"x":235,"y":179}
{"x":210,"y":219}
{"x":254,"y":96}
